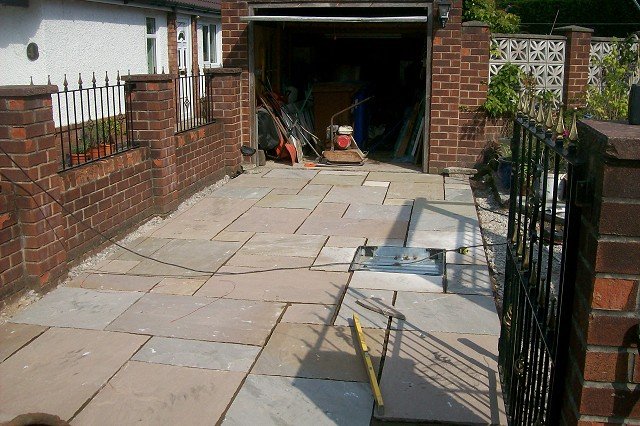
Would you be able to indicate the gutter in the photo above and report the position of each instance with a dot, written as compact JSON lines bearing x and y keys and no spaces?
{"x":168,"y":6}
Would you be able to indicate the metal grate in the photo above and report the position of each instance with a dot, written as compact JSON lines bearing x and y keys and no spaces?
{"x":409,"y":260}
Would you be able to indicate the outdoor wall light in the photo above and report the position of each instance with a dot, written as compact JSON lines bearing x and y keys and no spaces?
{"x":444,"y":6}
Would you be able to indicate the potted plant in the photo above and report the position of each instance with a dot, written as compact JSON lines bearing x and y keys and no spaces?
{"x":80,"y":153}
{"x":103,"y":138}
{"x":504,"y":162}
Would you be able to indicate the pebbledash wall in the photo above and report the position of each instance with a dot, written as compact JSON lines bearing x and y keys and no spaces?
{"x":39,"y":240}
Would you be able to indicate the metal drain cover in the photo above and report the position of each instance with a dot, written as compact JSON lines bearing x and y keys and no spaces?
{"x":409,"y":260}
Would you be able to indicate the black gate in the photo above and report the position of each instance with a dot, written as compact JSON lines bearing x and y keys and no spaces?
{"x":540,"y":267}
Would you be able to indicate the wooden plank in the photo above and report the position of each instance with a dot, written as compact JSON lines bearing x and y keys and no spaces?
{"x":402,"y":147}
{"x":340,"y":19}
{"x":373,"y":381}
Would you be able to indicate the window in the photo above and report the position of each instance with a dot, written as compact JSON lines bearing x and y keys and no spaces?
{"x":210,"y":44}
{"x":151,"y":46}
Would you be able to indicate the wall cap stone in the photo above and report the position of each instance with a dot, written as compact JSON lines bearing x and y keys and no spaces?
{"x":574,"y":29}
{"x":620,"y":141}
{"x":475,"y":24}
{"x":27,"y":90}
{"x":148,"y":77}
{"x":223,"y":71}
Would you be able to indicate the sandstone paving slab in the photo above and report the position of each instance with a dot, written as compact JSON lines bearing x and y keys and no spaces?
{"x":154,"y":394}
{"x":461,"y":181}
{"x":116,"y":266}
{"x":238,"y":236}
{"x":198,"y":354}
{"x":389,"y":242}
{"x":200,"y":255}
{"x":368,"y":318}
{"x":77,"y":308}
{"x":290,"y":201}
{"x":405,"y":177}
{"x":428,"y":191}
{"x":308,"y":313}
{"x":447,"y":207}
{"x":144,"y":246}
{"x":60,"y":370}
{"x":114,"y":282}
{"x":318,"y":225}
{"x":473,"y":256}
{"x":216,"y":209}
{"x":333,"y":210}
{"x":344,"y":172}
{"x":188,"y":228}
{"x":447,"y":313}
{"x":180,"y":286}
{"x":340,"y":241}
{"x":241,"y":192}
{"x":469,"y":279}
{"x":444,"y":239}
{"x":284,"y":191}
{"x":376,"y":183}
{"x":311,"y":189}
{"x":334,"y":259}
{"x":370,"y":211}
{"x":356,"y":195}
{"x":396,"y":282}
{"x":260,"y":262}
{"x":269,"y":219}
{"x":458,"y":194}
{"x":284,"y":245}
{"x":338,"y":179}
{"x":318,"y":352}
{"x":398,"y":201}
{"x":442,"y":378}
{"x":269,"y":400}
{"x":15,"y":336}
{"x":248,"y":181}
{"x":200,"y":318}
{"x":423,"y":221}
{"x":291,"y":173}
{"x":296,"y":285}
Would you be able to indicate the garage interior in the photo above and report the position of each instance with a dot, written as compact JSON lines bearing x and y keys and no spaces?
{"x":310,"y":66}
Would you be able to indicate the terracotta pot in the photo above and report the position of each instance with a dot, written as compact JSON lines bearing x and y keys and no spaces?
{"x":102,"y":150}
{"x":80,"y":158}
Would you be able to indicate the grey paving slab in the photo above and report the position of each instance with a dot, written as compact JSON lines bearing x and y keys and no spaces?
{"x":200,"y":318}
{"x":200,"y":255}
{"x":338,"y":179}
{"x":469,"y":279}
{"x":314,"y":352}
{"x":77,"y":308}
{"x":333,"y":210}
{"x":423,"y":221}
{"x":319,"y":225}
{"x":290,"y":245}
{"x":268,"y":400}
{"x":311,"y":189}
{"x":390,"y":242}
{"x":344,"y":172}
{"x":216,"y":209}
{"x":461,"y":181}
{"x":368,"y":318}
{"x":284,"y":191}
{"x":155,"y":394}
{"x":189,"y":228}
{"x":260,"y":262}
{"x":340,"y":241}
{"x":446,"y":208}
{"x":181,"y":286}
{"x":398,"y":201}
{"x":306,"y":313}
{"x":396,"y":282}
{"x":474,"y":256}
{"x":144,"y":246}
{"x":428,"y":191}
{"x":291,"y":201}
{"x":241,"y":192}
{"x":334,"y":259}
{"x":116,"y":265}
{"x":296,"y":285}
{"x":371,"y":211}
{"x":405,"y":177}
{"x":442,"y":378}
{"x":444,"y":239}
{"x":198,"y":354}
{"x":291,"y":173}
{"x":458,"y":194}
{"x":448,"y":313}
{"x":60,"y":370}
{"x":269,"y":219}
{"x":376,"y":183}
{"x":356,"y":195}
{"x":266,"y":182}
{"x":15,"y":336}
{"x":239,"y":236}
{"x":114,"y":282}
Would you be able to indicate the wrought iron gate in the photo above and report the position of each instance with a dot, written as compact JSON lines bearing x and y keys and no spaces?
{"x":541,"y":258}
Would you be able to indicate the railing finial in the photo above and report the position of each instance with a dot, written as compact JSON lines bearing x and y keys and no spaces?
{"x":540,"y":115}
{"x":31,"y":78}
{"x":106,"y":78}
{"x":80,"y":80}
{"x":163,"y":69}
{"x":49,"y":79}
{"x":93,"y":80}
{"x":65,"y":83}
{"x":549,"y":120}
{"x":532,"y":108}
{"x":559,"y":129}
{"x":573,"y":133}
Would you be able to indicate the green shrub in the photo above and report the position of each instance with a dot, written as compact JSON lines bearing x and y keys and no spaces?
{"x":502,"y":96}
{"x":486,"y":11}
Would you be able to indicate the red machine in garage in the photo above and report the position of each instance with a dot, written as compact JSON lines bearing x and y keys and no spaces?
{"x":344,"y":149}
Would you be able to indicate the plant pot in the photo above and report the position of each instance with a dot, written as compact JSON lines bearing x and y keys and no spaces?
{"x":102,"y":150}
{"x":80,"y":158}
{"x":504,"y":171}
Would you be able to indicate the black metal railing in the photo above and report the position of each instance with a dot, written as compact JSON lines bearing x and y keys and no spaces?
{"x":541,"y":262}
{"x":93,"y":122}
{"x":194,"y":103}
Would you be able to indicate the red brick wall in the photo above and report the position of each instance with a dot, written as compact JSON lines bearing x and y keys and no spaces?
{"x":576,"y":68}
{"x":11,"y":258}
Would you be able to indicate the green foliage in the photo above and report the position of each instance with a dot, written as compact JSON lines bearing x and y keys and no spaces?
{"x":486,"y":11}
{"x":610,"y":99}
{"x":502,"y":96}
{"x":101,"y":131}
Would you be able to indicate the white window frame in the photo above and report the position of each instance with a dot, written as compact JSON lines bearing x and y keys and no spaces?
{"x":210,"y":24}
{"x":154,"y":37}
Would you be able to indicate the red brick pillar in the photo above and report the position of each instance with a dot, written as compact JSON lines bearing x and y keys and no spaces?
{"x":27,"y":134}
{"x":603,"y":385}
{"x":172,"y":43}
{"x":576,"y":65}
{"x":445,"y":90}
{"x":152,"y":104}
{"x":223,"y":88}
{"x":195,"y":62}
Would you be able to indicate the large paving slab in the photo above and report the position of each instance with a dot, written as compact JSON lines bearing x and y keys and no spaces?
{"x":271,"y":401}
{"x":322,"y":225}
{"x":200,"y":318}
{"x":15,"y":336}
{"x":249,"y":181}
{"x":444,"y":239}
{"x":356,"y":195}
{"x":427,"y":191}
{"x":426,"y":220}
{"x":114,"y":282}
{"x":330,"y":210}
{"x":284,"y":245}
{"x":238,"y":236}
{"x":216,"y":209}
{"x":154,"y":394}
{"x":291,"y":173}
{"x":442,"y":378}
{"x":198,"y":354}
{"x":469,"y":279}
{"x":307,"y":313}
{"x":372,"y":211}
{"x":473,"y":256}
{"x":270,"y":219}
{"x":200,"y":255}
{"x":290,"y":201}
{"x":241,"y":192}
{"x":183,"y":286}
{"x":60,"y":370}
{"x":295,"y":285}
{"x":318,"y":352}
{"x":260,"y":262}
{"x":311,"y":189}
{"x":116,"y":266}
{"x":368,"y":318}
{"x":405,"y":177}
{"x":463,"y":195}
{"x":340,"y":241}
{"x":338,"y":179}
{"x":144,"y":246}
{"x":77,"y":308}
{"x":189,"y":228}
{"x":448,"y":313}
{"x":334,"y":259}
{"x":396,"y":281}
